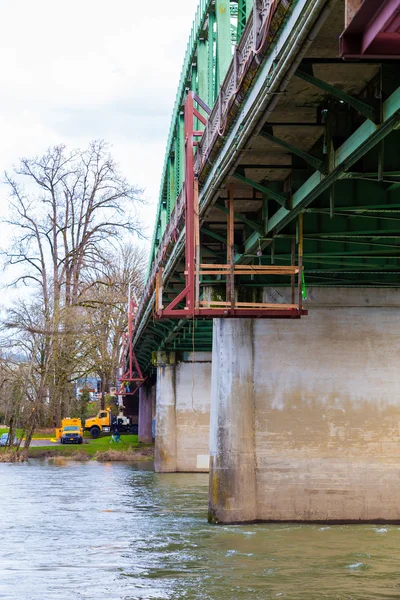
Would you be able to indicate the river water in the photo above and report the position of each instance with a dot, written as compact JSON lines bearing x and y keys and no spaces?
{"x":122,"y":532}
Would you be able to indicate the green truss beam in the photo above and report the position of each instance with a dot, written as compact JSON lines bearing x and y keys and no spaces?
{"x":364,"y":139}
{"x":224,"y":41}
{"x":365,"y":109}
{"x":373,"y":208}
{"x":314,"y":162}
{"x":252,"y":224}
{"x":282,"y":200}
{"x":242,"y":18}
{"x":214,"y":235}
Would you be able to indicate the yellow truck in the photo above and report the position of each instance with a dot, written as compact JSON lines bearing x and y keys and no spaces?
{"x":70,"y":432}
{"x":105,"y":421}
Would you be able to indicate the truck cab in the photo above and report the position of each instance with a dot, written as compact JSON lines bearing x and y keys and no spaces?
{"x":101,"y":423}
{"x":105,"y":420}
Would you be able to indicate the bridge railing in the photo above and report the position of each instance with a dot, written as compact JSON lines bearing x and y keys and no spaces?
{"x":251,"y":43}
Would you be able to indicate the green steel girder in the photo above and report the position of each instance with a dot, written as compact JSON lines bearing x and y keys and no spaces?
{"x":224,"y":40}
{"x":213,"y":234}
{"x":365,"y":109}
{"x":280,"y":198}
{"x":164,"y":325}
{"x":373,"y":208}
{"x":180,"y":145}
{"x":171,"y":190}
{"x":178,"y":278}
{"x":252,"y":224}
{"x":242,"y":17}
{"x":212,"y":78}
{"x":155,"y":332}
{"x":346,"y":254}
{"x":175,"y":331}
{"x":212,"y":252}
{"x":308,"y":158}
{"x":323,"y":266}
{"x":197,"y":338}
{"x":365,"y":138}
{"x":374,"y":233}
{"x":364,"y":214}
{"x":207,"y":59}
{"x":203,"y":74}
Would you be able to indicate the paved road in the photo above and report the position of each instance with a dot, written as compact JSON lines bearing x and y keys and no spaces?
{"x":44,"y":442}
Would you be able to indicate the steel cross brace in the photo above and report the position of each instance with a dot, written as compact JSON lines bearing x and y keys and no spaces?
{"x":240,"y":217}
{"x":366,"y":137}
{"x":280,"y":198}
{"x":214,"y":235}
{"x":314,"y":162}
{"x":365,"y":109}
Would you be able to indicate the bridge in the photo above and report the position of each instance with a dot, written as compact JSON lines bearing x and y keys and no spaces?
{"x":268,"y":333}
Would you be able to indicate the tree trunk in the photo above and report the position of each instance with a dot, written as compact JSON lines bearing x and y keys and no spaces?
{"x":103,"y":391}
{"x":11,"y":432}
{"x":28,"y":437}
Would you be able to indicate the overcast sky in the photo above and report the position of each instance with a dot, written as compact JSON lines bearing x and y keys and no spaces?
{"x":81,"y":70}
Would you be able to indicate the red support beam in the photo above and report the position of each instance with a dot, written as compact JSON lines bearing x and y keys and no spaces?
{"x":128,"y":354}
{"x":191,"y":291}
{"x":372,"y":29}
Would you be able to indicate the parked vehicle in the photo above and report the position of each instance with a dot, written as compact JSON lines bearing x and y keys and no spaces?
{"x":4,"y":439}
{"x":70,"y":432}
{"x":104,"y":421}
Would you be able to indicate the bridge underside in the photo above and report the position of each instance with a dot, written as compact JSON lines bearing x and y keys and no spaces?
{"x":325,"y":147}
{"x":295,"y":167}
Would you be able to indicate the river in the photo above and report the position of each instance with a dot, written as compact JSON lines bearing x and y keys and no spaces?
{"x":122,"y":532}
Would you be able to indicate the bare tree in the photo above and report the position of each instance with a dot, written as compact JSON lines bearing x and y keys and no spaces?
{"x":21,"y":402}
{"x":105,"y":304}
{"x":66,"y":210}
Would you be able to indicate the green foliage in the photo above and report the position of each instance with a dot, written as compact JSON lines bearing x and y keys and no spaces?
{"x":84,"y":400}
{"x":85,"y":396}
{"x":102,"y":444}
{"x":80,"y":407}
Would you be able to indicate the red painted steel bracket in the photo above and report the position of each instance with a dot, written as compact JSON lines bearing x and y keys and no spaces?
{"x":129,"y":374}
{"x":373,"y":32}
{"x":188,"y":294}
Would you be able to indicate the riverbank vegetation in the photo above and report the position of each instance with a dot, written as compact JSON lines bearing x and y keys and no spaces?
{"x":102,"y":449}
{"x":71,"y":268}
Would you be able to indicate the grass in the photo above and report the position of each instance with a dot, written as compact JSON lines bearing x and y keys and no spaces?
{"x":40,"y":434}
{"x":125,"y":447}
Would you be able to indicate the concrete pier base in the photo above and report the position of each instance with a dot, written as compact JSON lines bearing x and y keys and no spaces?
{"x":183,"y":412}
{"x":324,"y":392}
{"x":165,"y":447}
{"x":232,"y":458}
{"x":145,"y":415}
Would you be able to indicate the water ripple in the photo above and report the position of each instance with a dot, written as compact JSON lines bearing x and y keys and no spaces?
{"x":91,"y":531}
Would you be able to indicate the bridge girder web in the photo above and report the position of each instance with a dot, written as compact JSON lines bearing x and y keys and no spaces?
{"x":326,"y":151}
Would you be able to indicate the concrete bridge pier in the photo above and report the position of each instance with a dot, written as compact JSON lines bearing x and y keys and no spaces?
{"x":145,"y":415}
{"x":182,"y":412}
{"x":305,"y":414}
{"x":165,"y":446}
{"x":232,"y":456}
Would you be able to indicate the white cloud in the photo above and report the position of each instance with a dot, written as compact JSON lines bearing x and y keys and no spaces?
{"x":91,"y":69}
